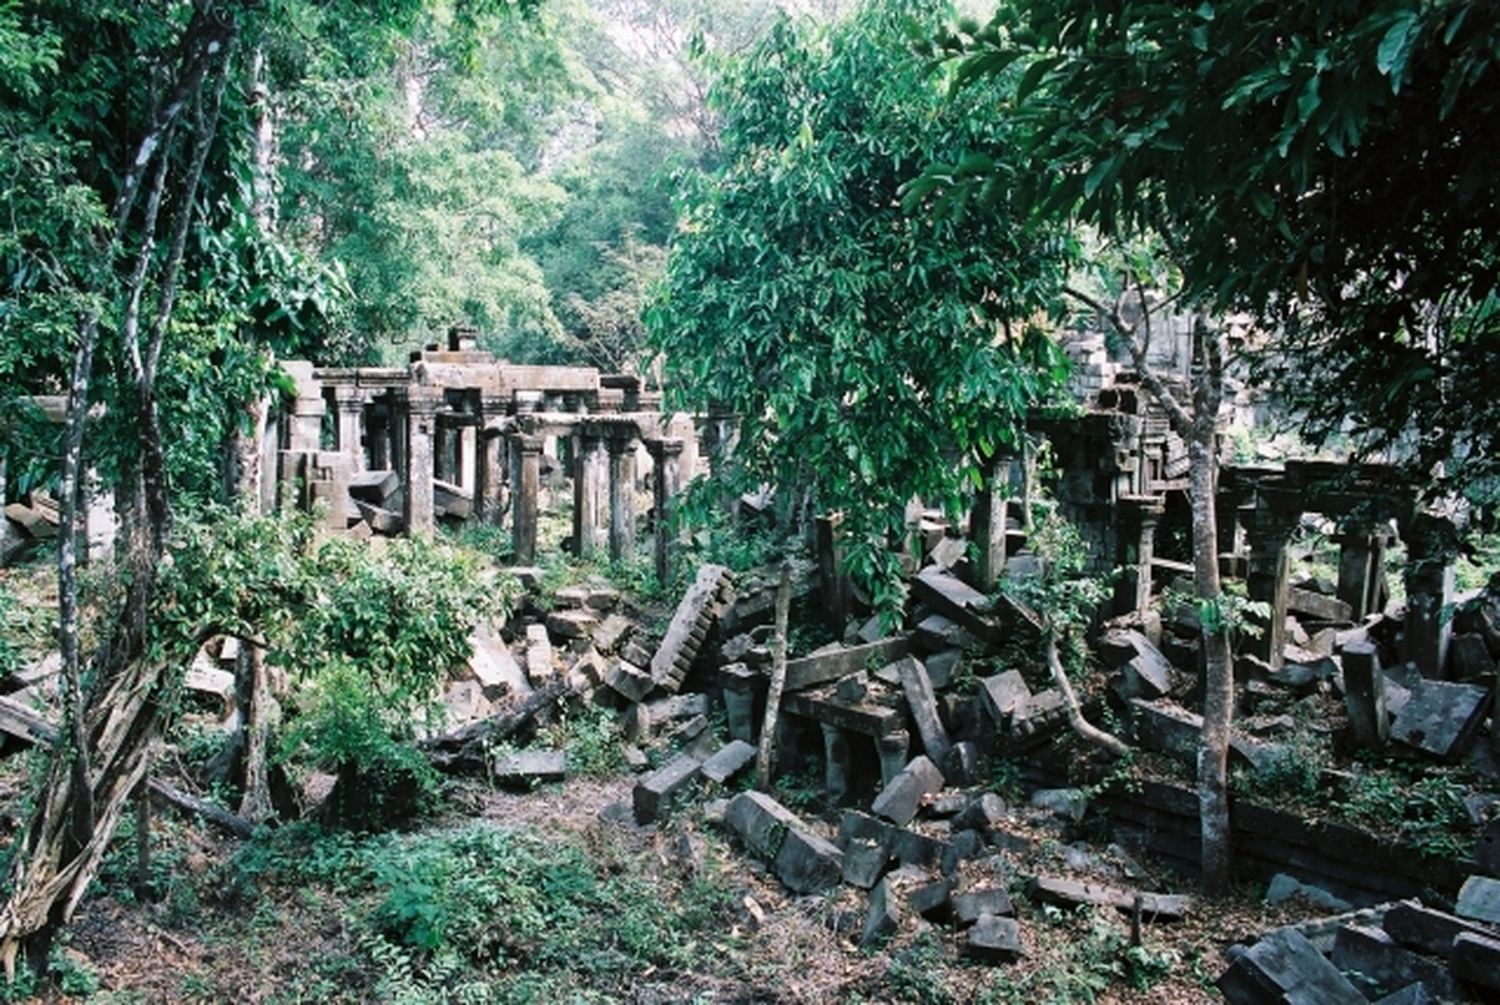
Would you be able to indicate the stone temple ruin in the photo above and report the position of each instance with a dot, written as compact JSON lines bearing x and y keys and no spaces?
{"x":899,"y":724}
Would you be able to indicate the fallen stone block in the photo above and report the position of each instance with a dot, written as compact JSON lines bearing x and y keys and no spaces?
{"x":960,"y":766}
{"x":1072,"y":893}
{"x":1364,"y":694}
{"x":1469,"y":657}
{"x":701,"y":605}
{"x":971,"y":906}
{"x":864,"y":862}
{"x":1376,"y":957}
{"x":899,"y":801}
{"x":373,"y":486}
{"x":527,"y":768}
{"x":1476,"y":959}
{"x":572,"y":624}
{"x":1285,"y":969}
{"x":1003,"y":694}
{"x":734,"y":757}
{"x":1441,"y":718}
{"x":1317,"y":605}
{"x":381,"y":521}
{"x":839,"y":661}
{"x":1427,"y":929}
{"x":962,"y":846}
{"x":653,"y":792}
{"x":495,"y":668}
{"x":930,"y":898}
{"x":993,"y":939}
{"x":612,"y":632}
{"x":910,"y":847}
{"x":539,"y":656}
{"x":807,"y":863}
{"x":1479,"y":900}
{"x":760,"y":821}
{"x":630,"y":681}
{"x":983,"y":813}
{"x":451,"y":500}
{"x":1065,"y":804}
{"x":955,"y":599}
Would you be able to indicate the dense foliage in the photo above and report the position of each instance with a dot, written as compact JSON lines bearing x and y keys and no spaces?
{"x":870,"y":355}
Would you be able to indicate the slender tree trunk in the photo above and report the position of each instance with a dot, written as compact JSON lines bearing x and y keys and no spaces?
{"x":766,"y":756}
{"x":255,"y":696}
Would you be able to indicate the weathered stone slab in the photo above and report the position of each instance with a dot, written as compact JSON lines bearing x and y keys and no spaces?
{"x":32,"y":522}
{"x":899,"y":801}
{"x":1285,"y":969}
{"x":652,"y":792}
{"x":828,"y":666}
{"x":993,"y":939}
{"x":960,"y":766}
{"x":373,"y":486}
{"x":971,"y":906}
{"x":911,"y":847}
{"x":1317,"y":605}
{"x":381,"y":521}
{"x":1477,"y":960}
{"x":922,"y":704}
{"x":1487,"y":849}
{"x":1072,"y":892}
{"x":1425,"y":928}
{"x":1003,"y":694}
{"x":611,"y":632}
{"x":728,"y":761}
{"x":868,"y":717}
{"x":711,"y":591}
{"x":959,"y":601}
{"x":948,"y":552}
{"x":531,"y":767}
{"x":983,"y":813}
{"x":572,"y":624}
{"x":761,"y":822}
{"x":930,"y":897}
{"x":1441,"y":718}
{"x":1377,"y":958}
{"x":19,"y":720}
{"x":451,"y":500}
{"x":1469,"y":657}
{"x":1479,"y":900}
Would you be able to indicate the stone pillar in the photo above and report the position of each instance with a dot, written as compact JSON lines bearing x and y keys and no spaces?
{"x":421,"y":410}
{"x":666,"y":454}
{"x":1431,"y":546}
{"x":489,"y":489}
{"x":1361,"y":566}
{"x":587,"y":478}
{"x":836,"y":763}
{"x":305,"y":425}
{"x":350,"y":402}
{"x":4,"y":523}
{"x":833,"y":583}
{"x":1267,"y":579}
{"x":525,"y":480}
{"x":621,"y":445}
{"x":987,"y":523}
{"x":892,"y":748}
{"x":1139,"y":517}
{"x":378,"y":435}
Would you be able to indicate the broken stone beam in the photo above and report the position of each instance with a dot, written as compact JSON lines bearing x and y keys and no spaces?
{"x":24,"y":723}
{"x":373,"y":486}
{"x":899,"y":801}
{"x":1374,"y":955}
{"x":381,"y":521}
{"x":825,"y":667}
{"x":1431,"y":931}
{"x":711,"y":591}
{"x":203,"y":676}
{"x":1317,"y":605}
{"x":955,"y":599}
{"x":802,"y":860}
{"x":730,"y":760}
{"x":1441,"y":717}
{"x":654,"y":791}
{"x":922,"y":704}
{"x":1285,"y":969}
{"x":1364,"y":694}
{"x":1071,"y":893}
{"x":993,"y":939}
{"x":867,"y":718}
{"x":526,"y":768}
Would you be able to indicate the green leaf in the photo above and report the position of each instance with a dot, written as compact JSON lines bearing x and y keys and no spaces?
{"x":1396,"y":47}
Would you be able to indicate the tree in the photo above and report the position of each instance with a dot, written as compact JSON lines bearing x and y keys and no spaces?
{"x":870,"y":356}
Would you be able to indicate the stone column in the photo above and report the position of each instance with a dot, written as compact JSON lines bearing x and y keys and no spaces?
{"x":305,"y":425}
{"x":587,"y":480}
{"x":621,"y":445}
{"x":350,"y":402}
{"x":489,"y":490}
{"x":525,"y":480}
{"x":1139,"y":517}
{"x":666,"y":454}
{"x":421,"y":425}
{"x":987,"y":523}
{"x":833,"y":583}
{"x":378,"y":435}
{"x":892,"y":748}
{"x":836,"y":763}
{"x":1361,"y":566}
{"x":1431,"y":546}
{"x":1267,"y":579}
